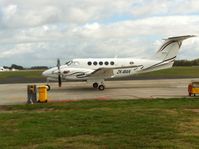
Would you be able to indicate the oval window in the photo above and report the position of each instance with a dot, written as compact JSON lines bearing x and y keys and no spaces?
{"x":100,"y":63}
{"x":89,"y":63}
{"x":112,"y":63}
{"x":106,"y":63}
{"x":131,"y":63}
{"x":95,"y":63}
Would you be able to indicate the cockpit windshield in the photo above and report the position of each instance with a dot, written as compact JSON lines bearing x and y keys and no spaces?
{"x":74,"y":63}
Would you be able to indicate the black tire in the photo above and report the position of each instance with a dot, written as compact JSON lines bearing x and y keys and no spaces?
{"x":48,"y":87}
{"x":101,"y":87}
{"x":95,"y":85}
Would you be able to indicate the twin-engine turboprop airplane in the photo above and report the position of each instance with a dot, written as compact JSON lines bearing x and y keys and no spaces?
{"x":96,"y":70}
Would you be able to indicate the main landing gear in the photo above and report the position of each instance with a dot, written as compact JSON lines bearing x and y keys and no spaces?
{"x":100,"y":87}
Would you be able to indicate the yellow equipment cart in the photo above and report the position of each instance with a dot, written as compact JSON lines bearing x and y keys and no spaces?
{"x":42,"y":94}
{"x":193,"y":88}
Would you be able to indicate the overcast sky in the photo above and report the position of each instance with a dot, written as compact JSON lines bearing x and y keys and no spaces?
{"x":37,"y":32}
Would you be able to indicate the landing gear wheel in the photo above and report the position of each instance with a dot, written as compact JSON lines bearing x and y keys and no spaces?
{"x":48,"y":87}
{"x":95,"y":85}
{"x":101,"y":87}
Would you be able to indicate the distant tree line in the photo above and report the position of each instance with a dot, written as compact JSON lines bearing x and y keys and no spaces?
{"x":18,"y":67}
{"x":187,"y":62}
{"x":14,"y":66}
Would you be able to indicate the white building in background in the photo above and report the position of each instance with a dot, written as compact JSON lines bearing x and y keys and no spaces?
{"x":13,"y":69}
{"x":4,"y":69}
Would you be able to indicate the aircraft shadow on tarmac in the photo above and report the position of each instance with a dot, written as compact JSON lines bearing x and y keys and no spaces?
{"x":84,"y":89}
{"x":89,"y":89}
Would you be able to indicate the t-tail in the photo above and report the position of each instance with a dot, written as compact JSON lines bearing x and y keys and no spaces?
{"x":167,"y":53}
{"x":170,"y":48}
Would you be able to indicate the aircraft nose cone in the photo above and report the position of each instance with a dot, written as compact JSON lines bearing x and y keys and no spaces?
{"x":45,"y":73}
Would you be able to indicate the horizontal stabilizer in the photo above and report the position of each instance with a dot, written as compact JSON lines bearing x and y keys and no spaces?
{"x":180,"y":38}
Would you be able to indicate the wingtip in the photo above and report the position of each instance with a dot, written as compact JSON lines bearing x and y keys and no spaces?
{"x":194,"y":35}
{"x":190,"y":36}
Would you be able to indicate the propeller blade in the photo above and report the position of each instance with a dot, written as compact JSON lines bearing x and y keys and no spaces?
{"x":59,"y":80}
{"x":59,"y":72}
{"x":58,"y":64}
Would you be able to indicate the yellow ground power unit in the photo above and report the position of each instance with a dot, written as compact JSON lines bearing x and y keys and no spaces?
{"x":193,"y":88}
{"x":42,"y":94}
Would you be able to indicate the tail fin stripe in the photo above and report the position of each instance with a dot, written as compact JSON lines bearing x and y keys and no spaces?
{"x":169,"y":59}
{"x":180,"y":44}
{"x":165,"y":45}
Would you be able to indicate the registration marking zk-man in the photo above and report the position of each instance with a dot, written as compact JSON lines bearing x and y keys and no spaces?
{"x":126,"y":71}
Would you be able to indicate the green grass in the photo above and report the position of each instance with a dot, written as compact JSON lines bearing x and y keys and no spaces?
{"x":174,"y":72}
{"x":21,"y":74}
{"x":172,"y":123}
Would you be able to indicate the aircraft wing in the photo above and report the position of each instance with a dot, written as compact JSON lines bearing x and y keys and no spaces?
{"x":108,"y":72}
{"x":102,"y":73}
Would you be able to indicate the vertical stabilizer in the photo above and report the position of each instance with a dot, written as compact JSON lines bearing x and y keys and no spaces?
{"x":170,"y":48}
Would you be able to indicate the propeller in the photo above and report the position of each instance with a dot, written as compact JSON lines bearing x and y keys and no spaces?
{"x":59,"y":73}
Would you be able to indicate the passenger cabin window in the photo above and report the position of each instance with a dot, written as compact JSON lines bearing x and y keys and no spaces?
{"x":95,"y":63}
{"x":112,"y":63}
{"x":131,"y":63}
{"x":89,"y":63}
{"x":106,"y":63}
{"x":100,"y":63}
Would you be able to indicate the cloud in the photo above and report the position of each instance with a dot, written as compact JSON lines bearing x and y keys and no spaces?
{"x":38,"y":32}
{"x":20,"y":49}
{"x":13,"y":16}
{"x":165,"y":7}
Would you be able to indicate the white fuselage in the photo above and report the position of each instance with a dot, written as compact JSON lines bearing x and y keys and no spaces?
{"x":80,"y":69}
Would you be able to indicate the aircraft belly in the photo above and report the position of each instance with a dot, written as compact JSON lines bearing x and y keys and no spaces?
{"x":52,"y":78}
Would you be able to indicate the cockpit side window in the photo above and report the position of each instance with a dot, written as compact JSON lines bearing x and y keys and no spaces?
{"x":68,"y":63}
